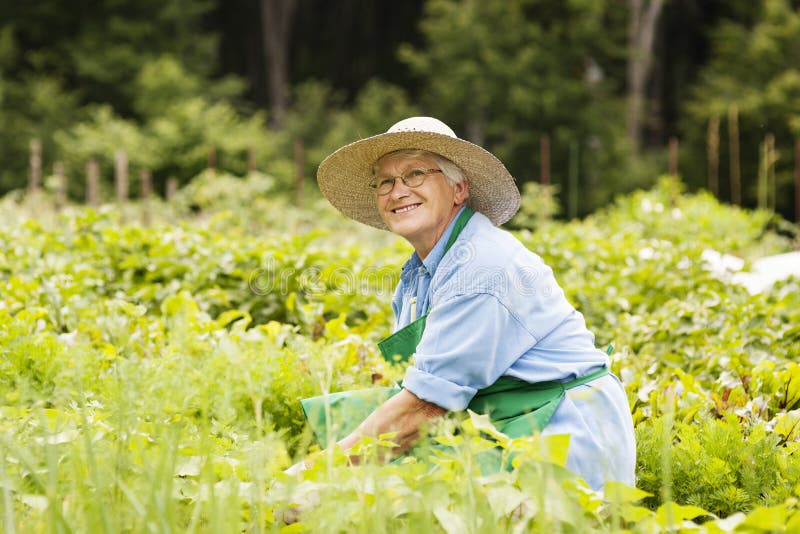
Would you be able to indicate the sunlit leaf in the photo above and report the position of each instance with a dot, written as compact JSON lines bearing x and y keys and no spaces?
{"x":671,"y":514}
{"x":617,"y":492}
{"x":766,"y":518}
{"x":451,"y":522}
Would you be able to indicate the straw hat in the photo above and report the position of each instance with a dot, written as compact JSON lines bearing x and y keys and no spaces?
{"x":345,"y":175}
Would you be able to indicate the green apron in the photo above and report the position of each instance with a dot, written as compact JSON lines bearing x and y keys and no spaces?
{"x":515,"y":407}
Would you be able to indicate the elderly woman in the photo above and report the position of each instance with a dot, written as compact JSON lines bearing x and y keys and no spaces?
{"x":483,"y":317}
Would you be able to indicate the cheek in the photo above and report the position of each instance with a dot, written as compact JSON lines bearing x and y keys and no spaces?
{"x":383,"y":210}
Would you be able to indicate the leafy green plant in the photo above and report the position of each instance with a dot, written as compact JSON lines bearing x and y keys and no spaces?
{"x":156,"y":371}
{"x":719,"y":465}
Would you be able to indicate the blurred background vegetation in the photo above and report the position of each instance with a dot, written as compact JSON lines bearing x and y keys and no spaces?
{"x":606,"y":82}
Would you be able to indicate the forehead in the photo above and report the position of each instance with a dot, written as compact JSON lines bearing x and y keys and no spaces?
{"x":391,"y":163}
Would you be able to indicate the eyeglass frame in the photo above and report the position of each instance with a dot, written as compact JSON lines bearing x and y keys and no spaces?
{"x":425,"y":173}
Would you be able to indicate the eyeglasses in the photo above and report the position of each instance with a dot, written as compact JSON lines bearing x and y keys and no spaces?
{"x":383,"y":185}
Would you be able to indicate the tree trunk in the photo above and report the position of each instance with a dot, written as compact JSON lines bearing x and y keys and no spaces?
{"x":642,"y":25}
{"x":276,"y":16}
{"x":475,"y":130}
{"x":735,"y":170}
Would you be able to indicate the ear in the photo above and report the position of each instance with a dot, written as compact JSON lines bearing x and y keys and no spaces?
{"x":461,"y":192}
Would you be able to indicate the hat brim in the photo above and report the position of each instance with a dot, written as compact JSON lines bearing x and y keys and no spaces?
{"x":345,"y":175}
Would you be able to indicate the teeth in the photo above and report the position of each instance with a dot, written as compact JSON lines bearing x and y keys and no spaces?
{"x":407,"y":208}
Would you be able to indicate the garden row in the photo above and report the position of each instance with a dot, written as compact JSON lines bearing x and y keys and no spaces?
{"x":150,"y":377}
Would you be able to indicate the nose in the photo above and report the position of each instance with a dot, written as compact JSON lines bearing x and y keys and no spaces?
{"x":400,"y":189}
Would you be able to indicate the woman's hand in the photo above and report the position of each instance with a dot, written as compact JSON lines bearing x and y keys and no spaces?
{"x":404,"y":414}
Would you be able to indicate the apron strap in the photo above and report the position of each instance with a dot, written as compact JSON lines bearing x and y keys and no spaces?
{"x":399,"y":346}
{"x":510,"y":399}
{"x":459,"y":225}
{"x":586,"y":378}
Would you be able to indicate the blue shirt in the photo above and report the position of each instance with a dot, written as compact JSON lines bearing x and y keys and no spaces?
{"x":495,"y":309}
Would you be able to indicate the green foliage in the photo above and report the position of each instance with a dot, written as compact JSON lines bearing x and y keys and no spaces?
{"x":755,"y":67}
{"x":294,"y":279}
{"x":106,"y":44}
{"x":57,"y":57}
{"x":319,"y":117}
{"x":157,"y":371}
{"x":755,"y":70}
{"x":188,"y":129}
{"x":166,"y":82}
{"x":211,"y":192}
{"x":717,"y":464}
{"x":181,"y":120}
{"x":31,"y":107}
{"x":538,"y":206}
{"x":504,"y":73}
{"x":99,"y":137}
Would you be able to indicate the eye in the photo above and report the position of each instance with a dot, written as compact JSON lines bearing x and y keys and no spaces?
{"x":415,"y":173}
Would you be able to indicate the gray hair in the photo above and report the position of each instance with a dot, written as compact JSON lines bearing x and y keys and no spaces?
{"x":451,"y":171}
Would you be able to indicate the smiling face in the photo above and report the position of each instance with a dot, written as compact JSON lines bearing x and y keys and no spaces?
{"x":419,"y":214}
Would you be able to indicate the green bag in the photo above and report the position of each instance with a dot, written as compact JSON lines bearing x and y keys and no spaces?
{"x":516,"y":408}
{"x":334,"y":416}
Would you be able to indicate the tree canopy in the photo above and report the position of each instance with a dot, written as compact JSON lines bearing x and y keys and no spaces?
{"x":167,"y":81}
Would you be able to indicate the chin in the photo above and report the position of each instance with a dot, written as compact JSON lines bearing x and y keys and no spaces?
{"x":394,"y":221}
{"x":402,"y":228}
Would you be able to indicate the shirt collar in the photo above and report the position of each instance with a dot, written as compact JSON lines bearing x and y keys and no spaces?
{"x":431,"y":261}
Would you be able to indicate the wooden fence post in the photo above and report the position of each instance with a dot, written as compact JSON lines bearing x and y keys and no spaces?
{"x":172,"y":188}
{"x":251,"y":160}
{"x":212,"y":159}
{"x":797,"y":180}
{"x":673,"y":156}
{"x":146,"y":184}
{"x":61,"y":185}
{"x":772,"y":186}
{"x":92,"y":183}
{"x":35,"y":165}
{"x":299,"y":171}
{"x":713,"y":156}
{"x":761,"y":180}
{"x":544,"y":151}
{"x":121,"y":175}
{"x":733,"y":142}
{"x":673,"y":170}
{"x":574,"y":162}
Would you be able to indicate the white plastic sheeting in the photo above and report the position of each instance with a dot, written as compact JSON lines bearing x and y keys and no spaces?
{"x":763,"y":272}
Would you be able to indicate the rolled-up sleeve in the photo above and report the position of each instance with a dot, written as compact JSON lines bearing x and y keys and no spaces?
{"x":469,"y":342}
